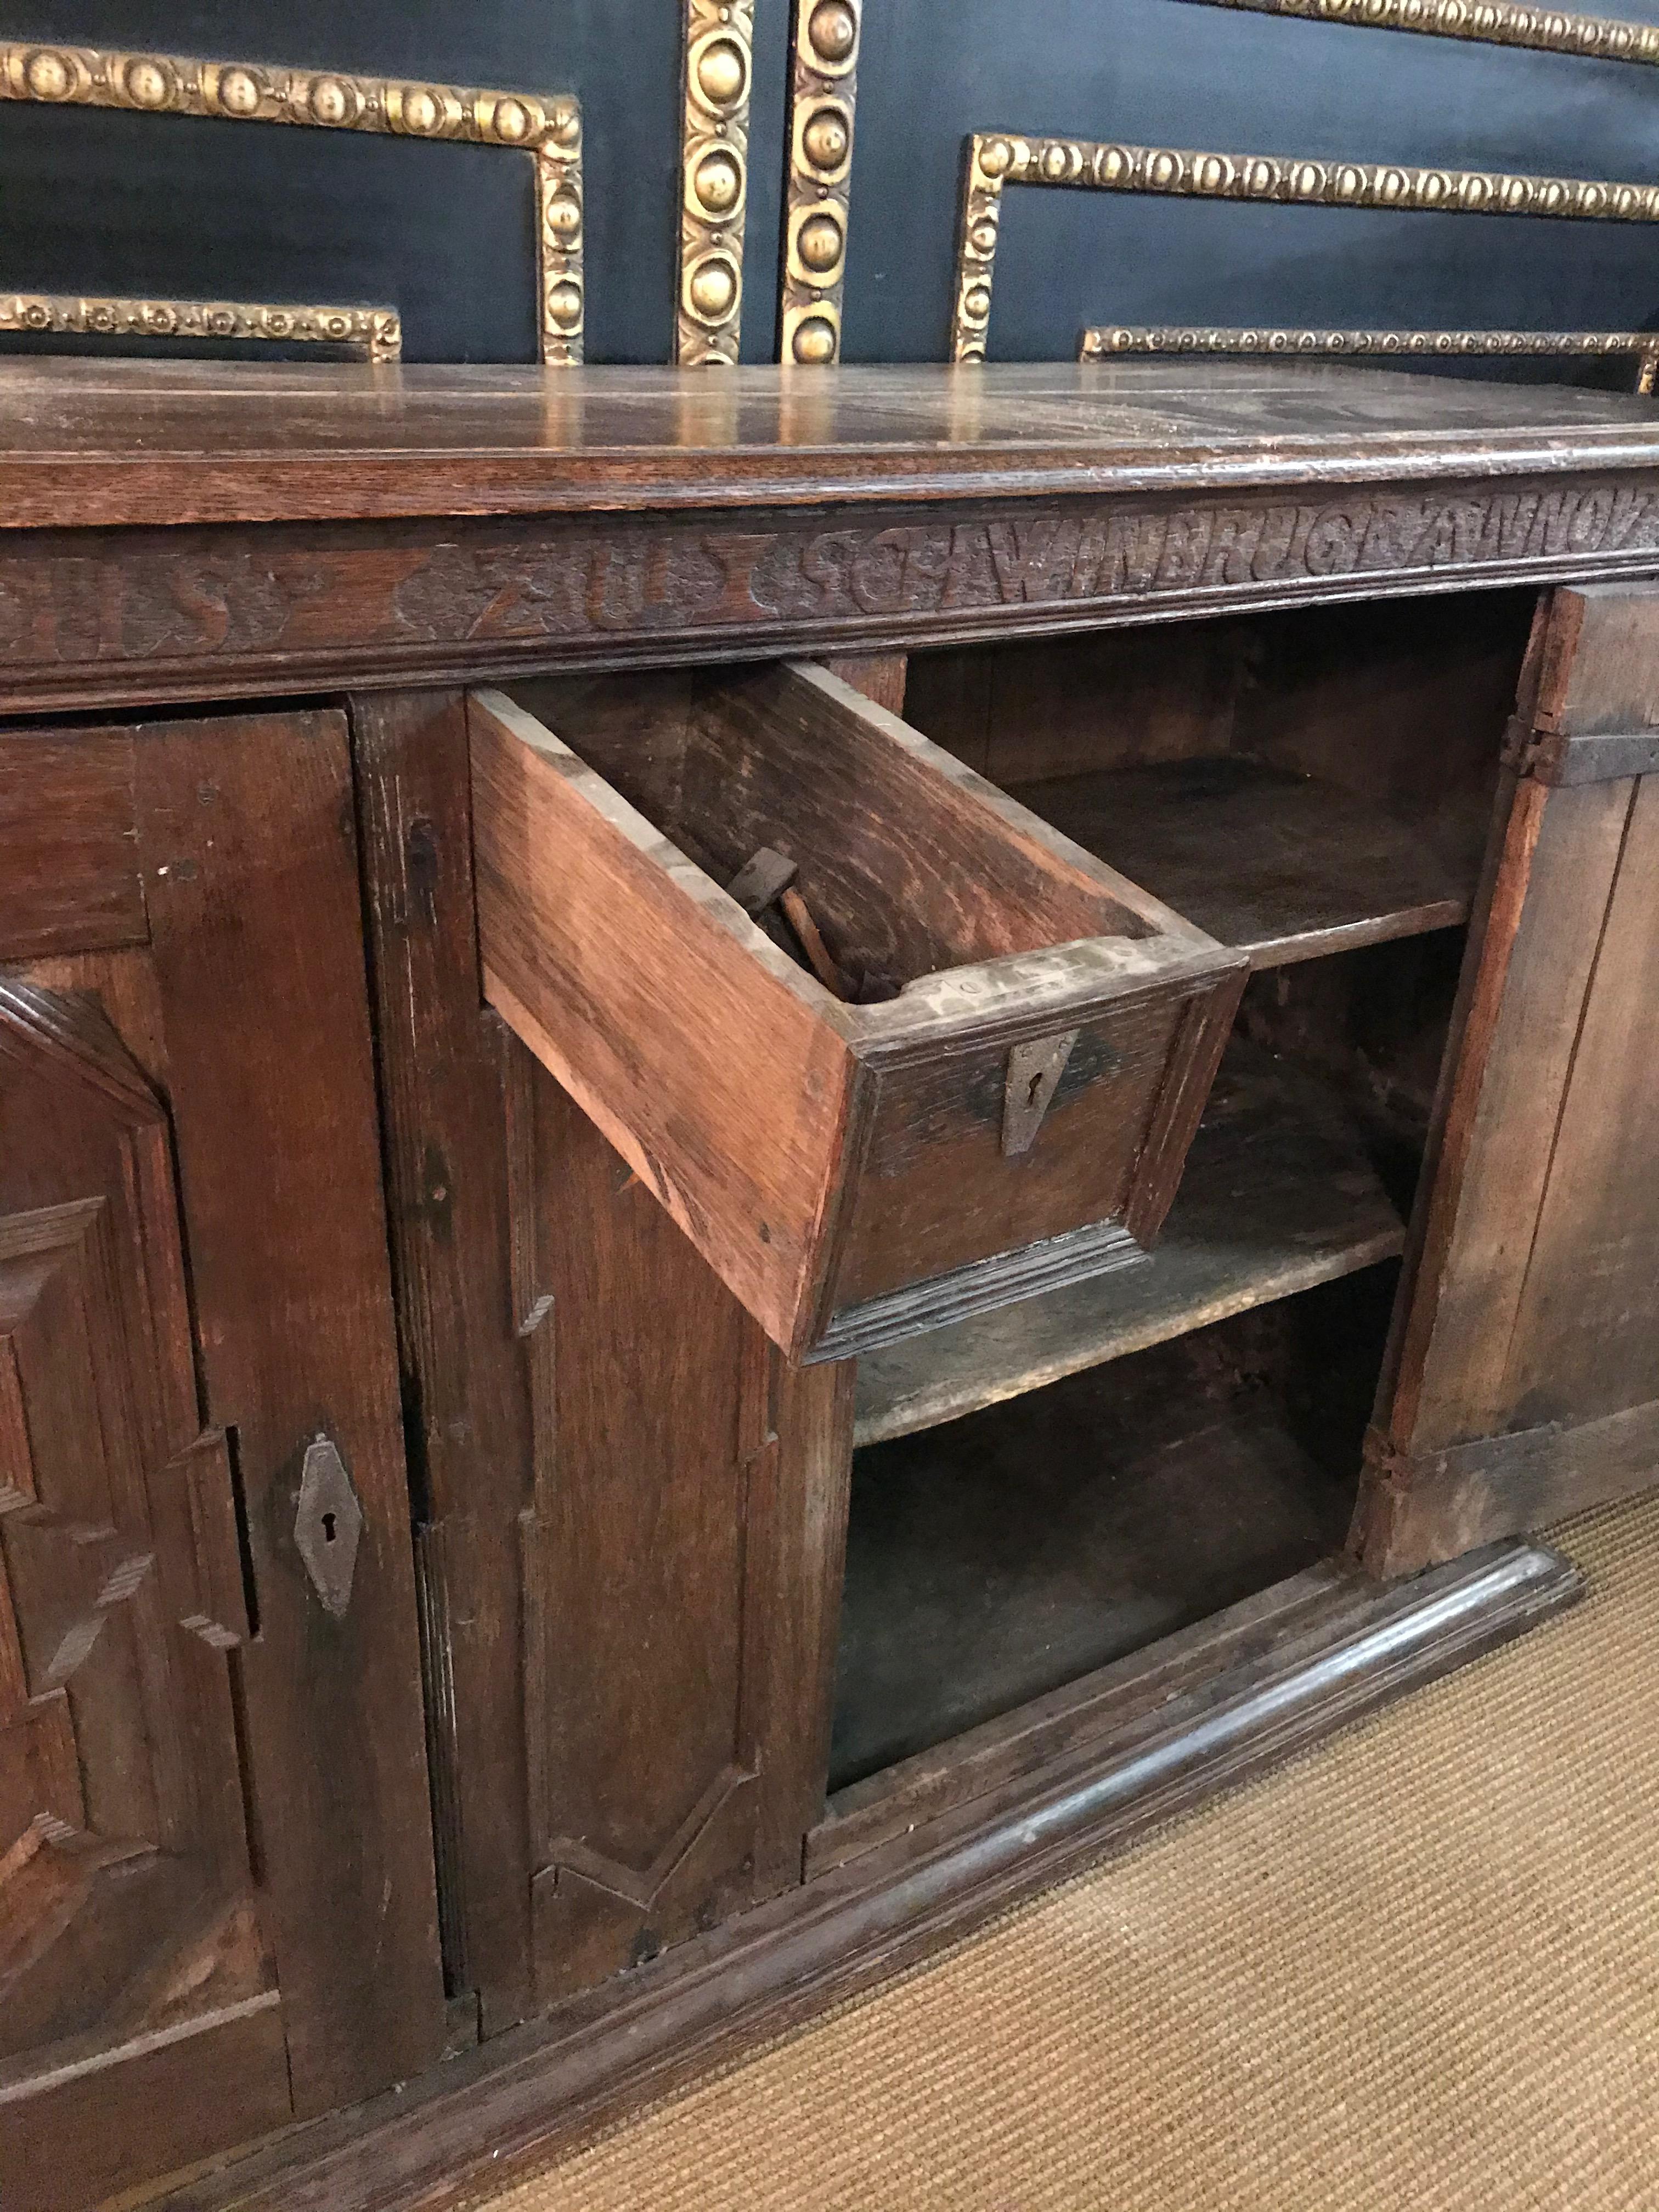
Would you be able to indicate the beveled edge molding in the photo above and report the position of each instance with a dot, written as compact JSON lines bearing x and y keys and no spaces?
{"x":717,"y":71}
{"x":547,"y":126}
{"x":375,"y":334}
{"x":1487,"y":22}
{"x":823,"y":89}
{"x":494,"y":2116}
{"x":1110,"y":342}
{"x":995,"y":160}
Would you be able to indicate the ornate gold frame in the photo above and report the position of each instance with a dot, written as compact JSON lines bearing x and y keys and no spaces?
{"x":996,"y":160}
{"x":547,"y":126}
{"x":1112,"y":341}
{"x":374,"y":334}
{"x":1487,"y":22}
{"x":823,"y":89}
{"x":717,"y":70}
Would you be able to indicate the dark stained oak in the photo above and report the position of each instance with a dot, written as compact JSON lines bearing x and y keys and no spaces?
{"x":116,"y":442}
{"x":71,"y":881}
{"x":490,"y":2119}
{"x":680,"y":1560}
{"x":1532,"y":1305}
{"x":464,"y":1162}
{"x":248,"y":841}
{"x":465,"y":1382}
{"x":131,"y":1968}
{"x":994,"y":1559}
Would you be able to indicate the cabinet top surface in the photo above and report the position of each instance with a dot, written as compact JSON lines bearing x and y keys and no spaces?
{"x":90,"y":442}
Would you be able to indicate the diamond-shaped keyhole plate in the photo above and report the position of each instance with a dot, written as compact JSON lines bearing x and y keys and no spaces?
{"x":328,"y":1523}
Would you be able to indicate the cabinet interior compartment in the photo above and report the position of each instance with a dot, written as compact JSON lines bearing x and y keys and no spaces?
{"x":1293,"y":783}
{"x":995,"y":1559}
{"x":1043,"y":1491}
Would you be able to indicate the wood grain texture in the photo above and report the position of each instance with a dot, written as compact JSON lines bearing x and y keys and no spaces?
{"x":1596,"y":661}
{"x":1281,"y":865}
{"x":824,"y":1156}
{"x":164,"y":2101}
{"x":124,"y":1855}
{"x":720,"y":1073}
{"x":491,"y":2119}
{"x":71,"y":881}
{"x":467,"y":1414}
{"x":1279,"y":1194}
{"x":1491,"y":1155}
{"x":1533,"y":1290}
{"x":878,"y":676}
{"x":1469,"y":1494}
{"x":140,"y":615}
{"x":681,"y":1558}
{"x":248,"y":841}
{"x":115,"y":441}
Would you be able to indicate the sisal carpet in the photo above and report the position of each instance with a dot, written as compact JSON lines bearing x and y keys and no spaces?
{"x":1417,"y":1971}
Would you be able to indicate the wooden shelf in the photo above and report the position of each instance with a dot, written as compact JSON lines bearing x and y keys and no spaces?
{"x":1278,"y":864}
{"x":992,"y":1561}
{"x":1278,"y":1194}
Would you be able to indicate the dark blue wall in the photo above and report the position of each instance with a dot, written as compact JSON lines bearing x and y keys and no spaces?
{"x":110,"y":202}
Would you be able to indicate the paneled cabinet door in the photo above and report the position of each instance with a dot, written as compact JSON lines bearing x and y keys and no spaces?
{"x":217,"y":1903}
{"x":1523,"y":1382}
{"x":632,"y":1508}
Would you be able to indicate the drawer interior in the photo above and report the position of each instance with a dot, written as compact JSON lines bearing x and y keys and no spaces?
{"x":1294,"y":783}
{"x":947,"y":1058}
{"x":905,"y":875}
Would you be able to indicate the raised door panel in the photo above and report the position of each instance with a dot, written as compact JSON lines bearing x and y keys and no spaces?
{"x":1521,"y":1384}
{"x":217,"y":1905}
{"x":126,"y":1921}
{"x":632,"y":1507}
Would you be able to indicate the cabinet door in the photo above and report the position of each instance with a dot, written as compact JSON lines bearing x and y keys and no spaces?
{"x":632,"y":1508}
{"x":1523,"y":1383}
{"x":216,"y":1903}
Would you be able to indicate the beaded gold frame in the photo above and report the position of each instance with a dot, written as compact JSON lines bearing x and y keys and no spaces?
{"x":997,"y":159}
{"x":545,"y":126}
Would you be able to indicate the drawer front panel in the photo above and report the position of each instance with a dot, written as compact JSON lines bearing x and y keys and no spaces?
{"x":939,"y":1187}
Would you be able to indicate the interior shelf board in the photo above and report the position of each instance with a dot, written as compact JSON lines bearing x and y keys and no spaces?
{"x":992,"y":1561}
{"x":1280,"y":865}
{"x":1278,"y":1194}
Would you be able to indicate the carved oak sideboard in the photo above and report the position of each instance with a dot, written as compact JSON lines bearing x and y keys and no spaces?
{"x":770,"y":1149}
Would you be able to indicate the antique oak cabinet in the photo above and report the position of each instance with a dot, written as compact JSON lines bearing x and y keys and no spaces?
{"x":770,"y":1148}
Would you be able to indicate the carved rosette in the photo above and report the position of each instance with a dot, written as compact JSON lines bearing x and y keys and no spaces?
{"x":1109,"y":341}
{"x":1488,"y":22}
{"x":374,"y":333}
{"x":718,"y":70}
{"x":823,"y":87}
{"x":545,"y":125}
{"x":998,"y":159}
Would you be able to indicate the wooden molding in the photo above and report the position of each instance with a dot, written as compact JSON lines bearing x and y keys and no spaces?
{"x":495,"y":2115}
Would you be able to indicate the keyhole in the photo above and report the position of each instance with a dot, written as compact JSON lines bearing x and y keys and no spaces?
{"x":328,"y":1528}
{"x":1037,"y":1085}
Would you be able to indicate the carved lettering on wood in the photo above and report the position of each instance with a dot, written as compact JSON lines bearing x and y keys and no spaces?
{"x":329,"y":593}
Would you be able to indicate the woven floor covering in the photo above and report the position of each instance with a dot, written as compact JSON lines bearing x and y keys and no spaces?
{"x":1417,"y":1971}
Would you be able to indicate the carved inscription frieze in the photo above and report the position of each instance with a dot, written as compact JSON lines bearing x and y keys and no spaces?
{"x":336,"y":598}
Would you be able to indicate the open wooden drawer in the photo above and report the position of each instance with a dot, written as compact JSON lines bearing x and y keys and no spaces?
{"x":1004,"y":1105}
